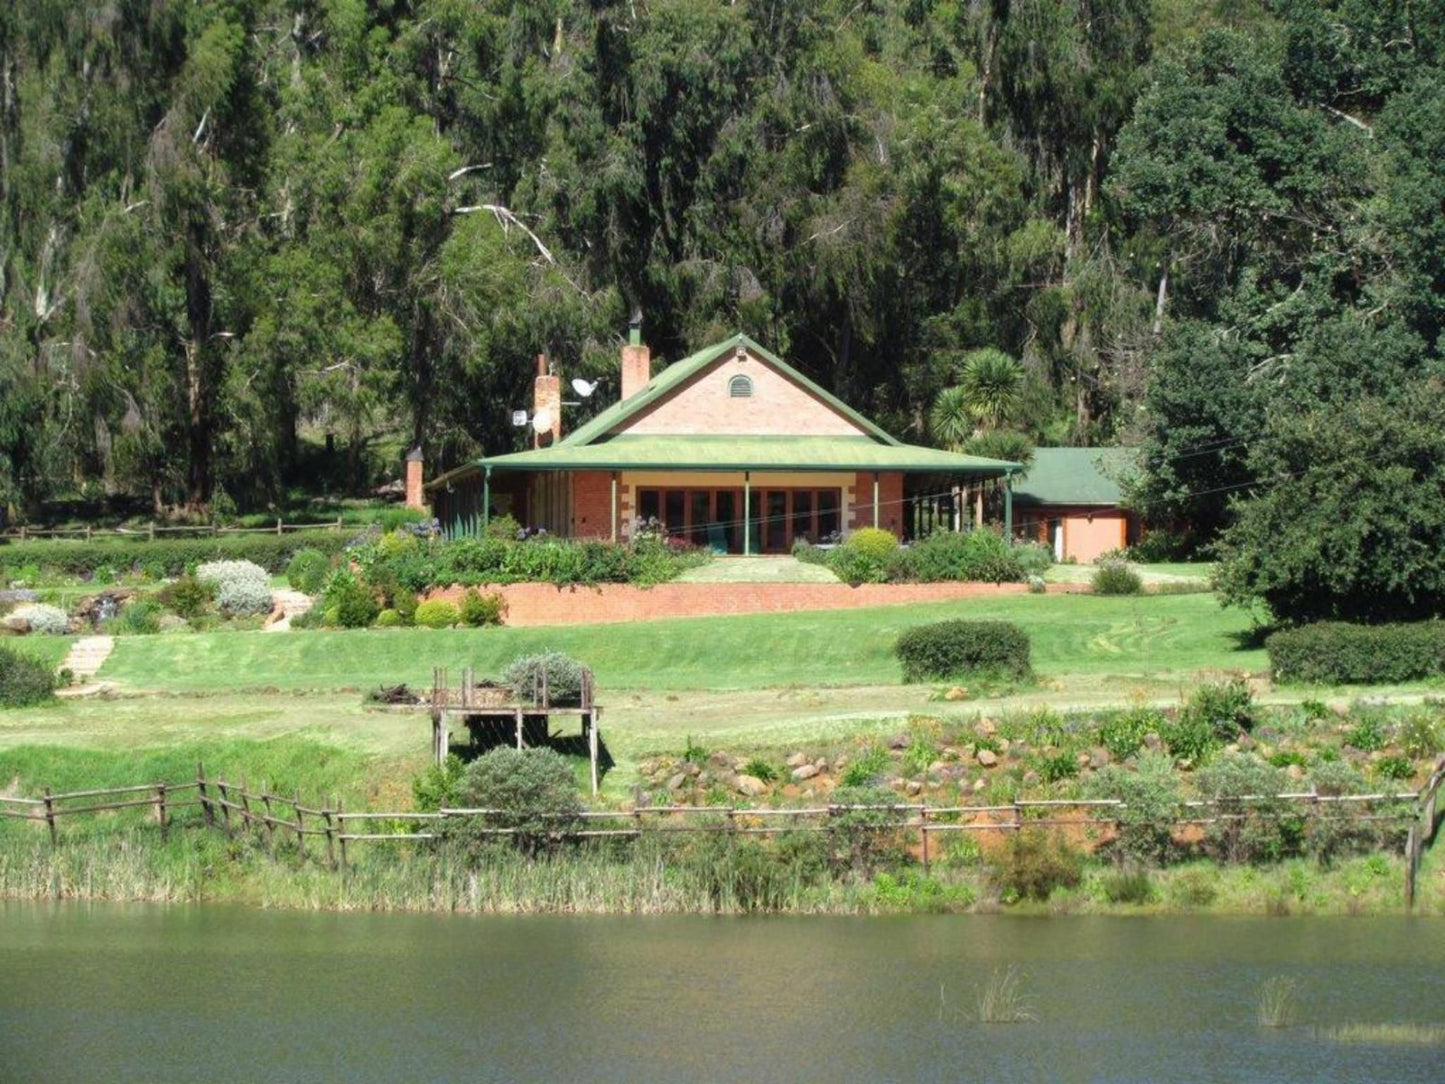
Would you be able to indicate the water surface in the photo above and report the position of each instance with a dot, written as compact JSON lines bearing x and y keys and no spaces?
{"x":125,"y":993}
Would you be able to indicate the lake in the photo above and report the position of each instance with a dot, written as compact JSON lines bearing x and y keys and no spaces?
{"x":137,"y":993}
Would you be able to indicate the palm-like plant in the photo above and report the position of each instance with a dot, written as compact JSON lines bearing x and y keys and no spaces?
{"x":988,"y":393}
{"x":993,"y":385}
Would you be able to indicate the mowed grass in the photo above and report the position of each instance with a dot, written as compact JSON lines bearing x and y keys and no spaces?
{"x":48,"y":649}
{"x":1072,"y":635}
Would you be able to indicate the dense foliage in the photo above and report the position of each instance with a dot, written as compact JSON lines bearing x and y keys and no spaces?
{"x":954,"y":649}
{"x":981,"y":556}
{"x":165,"y":557}
{"x":1352,"y":532}
{"x":560,"y":674}
{"x":23,"y":681}
{"x":1336,"y":653}
{"x":235,"y":230}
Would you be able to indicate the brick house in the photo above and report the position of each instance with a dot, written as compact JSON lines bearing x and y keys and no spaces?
{"x":1071,"y":500}
{"x":730,"y":448}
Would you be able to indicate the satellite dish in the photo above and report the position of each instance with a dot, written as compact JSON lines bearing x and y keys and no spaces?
{"x":542,"y":421}
{"x":582,"y":387}
{"x":519,"y":418}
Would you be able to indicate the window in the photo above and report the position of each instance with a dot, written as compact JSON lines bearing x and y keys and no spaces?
{"x":740,"y":387}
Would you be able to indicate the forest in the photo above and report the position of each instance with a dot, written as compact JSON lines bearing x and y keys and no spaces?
{"x":256,"y":248}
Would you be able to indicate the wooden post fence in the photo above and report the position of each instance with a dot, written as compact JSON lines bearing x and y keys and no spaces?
{"x":50,"y":818}
{"x":161,"y":812}
{"x":206,"y":808}
{"x":300,"y":828}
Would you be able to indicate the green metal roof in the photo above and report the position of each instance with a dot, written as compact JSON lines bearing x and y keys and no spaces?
{"x":1087,"y":476}
{"x":669,"y":379}
{"x":732,"y":453}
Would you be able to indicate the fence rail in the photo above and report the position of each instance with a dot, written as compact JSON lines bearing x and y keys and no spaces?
{"x":235,"y":807}
{"x":1422,"y":832}
{"x":151,"y":530}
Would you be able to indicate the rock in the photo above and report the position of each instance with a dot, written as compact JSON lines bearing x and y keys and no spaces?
{"x":958,"y":692}
{"x":1152,"y":742}
{"x":15,"y":625}
{"x":1295,"y":772}
{"x":751,"y":785}
{"x":821,"y":764}
{"x":987,"y":757}
{"x":914,"y":786}
{"x":173,"y":623}
{"x":1245,"y":743}
{"x":936,"y":768}
{"x":1100,"y":757}
{"x":1031,"y":778}
{"x":796,"y":760}
{"x":899,"y":741}
{"x":1232,"y":747}
{"x":720,"y":760}
{"x":1083,"y":760}
{"x":979,"y":785}
{"x":693,"y":770}
{"x":677,"y":782}
{"x":805,"y":771}
{"x":17,"y":595}
{"x":986,"y":728}
{"x":1004,"y":745}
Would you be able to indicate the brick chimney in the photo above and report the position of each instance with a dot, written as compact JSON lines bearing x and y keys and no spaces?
{"x":547,"y":396}
{"x":636,"y":359}
{"x":415,"y":497}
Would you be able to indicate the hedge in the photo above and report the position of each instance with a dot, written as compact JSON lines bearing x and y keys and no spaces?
{"x":23,"y":680}
{"x":951,"y":649}
{"x":1339,"y":653}
{"x":167,"y":556}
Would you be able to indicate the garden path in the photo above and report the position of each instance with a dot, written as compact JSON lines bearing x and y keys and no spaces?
{"x":286,"y":604}
{"x":87,"y":655}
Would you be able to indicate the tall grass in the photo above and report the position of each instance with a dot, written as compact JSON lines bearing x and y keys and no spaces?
{"x":1382,"y":1034}
{"x":1001,"y":1000}
{"x":1277,"y":1006}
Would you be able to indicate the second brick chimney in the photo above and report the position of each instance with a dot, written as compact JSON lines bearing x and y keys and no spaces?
{"x":547,"y":396}
{"x":636,"y":359}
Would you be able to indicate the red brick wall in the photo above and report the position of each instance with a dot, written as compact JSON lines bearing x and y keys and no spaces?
{"x":610,"y":603}
{"x":890,"y":501}
{"x":592,"y":504}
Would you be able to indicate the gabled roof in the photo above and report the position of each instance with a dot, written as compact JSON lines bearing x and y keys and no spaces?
{"x":677,"y":374}
{"x":595,"y":446}
{"x":1084,"y":476}
{"x":739,"y":453}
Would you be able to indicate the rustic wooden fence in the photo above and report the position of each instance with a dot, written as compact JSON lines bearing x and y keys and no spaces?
{"x":1422,"y":831}
{"x":150,"y":531}
{"x":236,"y":808}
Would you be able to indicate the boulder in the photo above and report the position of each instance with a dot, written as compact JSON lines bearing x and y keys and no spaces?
{"x":173,"y":623}
{"x":1152,"y":742}
{"x":805,"y":771}
{"x":796,"y":760}
{"x":1031,"y":778}
{"x":1100,"y":757}
{"x":958,"y":692}
{"x":987,"y":757}
{"x":980,"y":785}
{"x":914,"y":787}
{"x":1295,"y":773}
{"x":677,"y":782}
{"x":15,"y":625}
{"x":751,"y":785}
{"x":986,"y":728}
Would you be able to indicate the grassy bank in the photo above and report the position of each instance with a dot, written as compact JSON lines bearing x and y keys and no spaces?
{"x":1080,"y":635}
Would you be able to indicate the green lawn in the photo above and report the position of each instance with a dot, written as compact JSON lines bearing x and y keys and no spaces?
{"x":1075,"y":635}
{"x":48,"y":649}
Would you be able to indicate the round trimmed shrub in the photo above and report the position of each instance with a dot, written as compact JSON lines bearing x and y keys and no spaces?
{"x":388,"y":619}
{"x":533,"y":790}
{"x":436,"y":613}
{"x":43,"y":618}
{"x":872,"y":542}
{"x":307,"y":571}
{"x":23,"y":680}
{"x":564,"y":677}
{"x":478,"y":609}
{"x":241,"y":586}
{"x":954,"y":649}
{"x":348,"y":602}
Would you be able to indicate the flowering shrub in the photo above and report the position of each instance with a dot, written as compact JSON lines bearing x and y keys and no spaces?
{"x":45,"y":619}
{"x":241,"y":587}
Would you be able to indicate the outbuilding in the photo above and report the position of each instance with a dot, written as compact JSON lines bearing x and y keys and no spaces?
{"x":1072,"y":499}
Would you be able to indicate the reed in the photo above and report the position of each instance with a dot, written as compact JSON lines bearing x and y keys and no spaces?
{"x":1277,"y":1003}
{"x":1384,"y":1034}
{"x":1002,"y":999}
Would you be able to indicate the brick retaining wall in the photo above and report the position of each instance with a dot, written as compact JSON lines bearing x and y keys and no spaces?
{"x":543,"y":604}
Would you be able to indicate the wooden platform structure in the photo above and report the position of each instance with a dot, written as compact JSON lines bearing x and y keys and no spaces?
{"x":485,"y":705}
